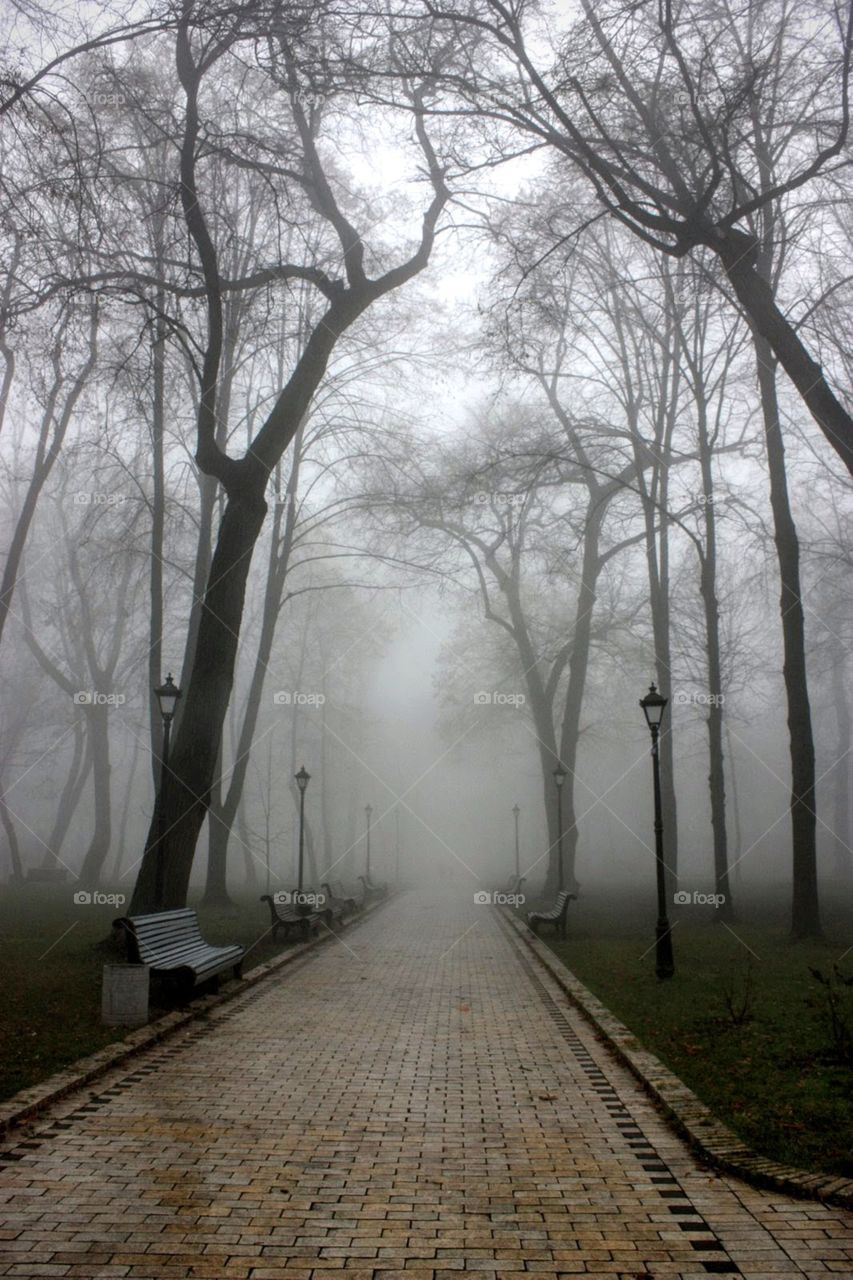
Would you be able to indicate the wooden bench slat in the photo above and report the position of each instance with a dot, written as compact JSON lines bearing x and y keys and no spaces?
{"x":170,"y":941}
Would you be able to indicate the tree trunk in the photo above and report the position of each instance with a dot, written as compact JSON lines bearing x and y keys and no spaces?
{"x":542,"y":711}
{"x":216,"y":884}
{"x":121,"y":837}
{"x":780,"y":340}
{"x":578,"y":666}
{"x":78,"y":772}
{"x":181,"y":813}
{"x":805,"y":912}
{"x":658,"y":571}
{"x":228,"y":805}
{"x":97,"y":718}
{"x":841,"y":806}
{"x":156,"y":674}
{"x":17,"y":870}
{"x":738,"y":866}
{"x":708,"y":589}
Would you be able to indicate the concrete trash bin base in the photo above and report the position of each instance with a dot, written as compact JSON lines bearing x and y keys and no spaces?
{"x":124,"y":995}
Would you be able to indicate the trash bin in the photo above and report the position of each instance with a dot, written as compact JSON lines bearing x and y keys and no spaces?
{"x":124,"y":995}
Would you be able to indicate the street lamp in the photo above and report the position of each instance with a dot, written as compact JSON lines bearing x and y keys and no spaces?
{"x":515,"y":812}
{"x":560,"y":776}
{"x":368,"y":810}
{"x":167,"y":696}
{"x":303,"y":777}
{"x":654,"y":705}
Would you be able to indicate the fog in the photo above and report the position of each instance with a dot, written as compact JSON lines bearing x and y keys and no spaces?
{"x":416,"y":462}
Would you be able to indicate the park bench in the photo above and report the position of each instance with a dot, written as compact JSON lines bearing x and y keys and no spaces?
{"x":371,"y":889}
{"x":336,"y":906}
{"x":555,"y":915}
{"x":516,"y":885}
{"x":292,"y":917}
{"x":346,"y":897}
{"x":171,"y":943}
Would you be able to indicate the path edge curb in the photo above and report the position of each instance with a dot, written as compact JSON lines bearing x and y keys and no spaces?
{"x":27,"y":1104}
{"x":708,"y":1136}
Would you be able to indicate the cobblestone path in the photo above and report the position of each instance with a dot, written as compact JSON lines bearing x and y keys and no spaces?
{"x":416,"y":1099}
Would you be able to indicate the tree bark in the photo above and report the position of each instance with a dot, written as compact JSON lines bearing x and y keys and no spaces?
{"x":97,"y":717}
{"x":179,"y":816}
{"x":841,"y":797}
{"x":805,"y":912}
{"x":780,"y":339}
{"x":578,"y":665}
{"x":78,"y":772}
{"x":708,"y":590}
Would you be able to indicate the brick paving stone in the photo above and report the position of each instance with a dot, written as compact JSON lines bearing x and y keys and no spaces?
{"x":418,"y":1101}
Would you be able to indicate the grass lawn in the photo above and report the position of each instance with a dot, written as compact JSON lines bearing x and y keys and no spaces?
{"x":774,"y":1078}
{"x":50,"y":996}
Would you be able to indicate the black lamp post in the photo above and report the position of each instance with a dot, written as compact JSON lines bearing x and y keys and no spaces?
{"x":654,"y":705}
{"x":167,"y":696}
{"x":560,"y":776}
{"x":368,"y":810}
{"x":303,"y":777}
{"x":515,"y":812}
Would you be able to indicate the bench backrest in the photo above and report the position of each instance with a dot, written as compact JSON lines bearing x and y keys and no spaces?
{"x":337,"y":889}
{"x":163,"y":931}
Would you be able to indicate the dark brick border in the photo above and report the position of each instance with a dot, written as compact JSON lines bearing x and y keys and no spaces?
{"x":29,"y":1103}
{"x":719,"y":1145}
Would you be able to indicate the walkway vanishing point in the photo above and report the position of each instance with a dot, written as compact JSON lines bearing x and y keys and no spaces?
{"x":417,"y":1099}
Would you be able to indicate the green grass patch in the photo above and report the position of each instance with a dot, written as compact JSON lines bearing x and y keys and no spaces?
{"x":50,"y":997}
{"x":743,"y":1022}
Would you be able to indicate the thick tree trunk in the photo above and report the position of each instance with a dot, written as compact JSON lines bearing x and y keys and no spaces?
{"x":179,"y":815}
{"x":805,"y":913}
{"x":716,"y":773}
{"x":658,"y":571}
{"x":121,"y":836}
{"x":156,"y":674}
{"x":841,"y":806}
{"x":17,"y":870}
{"x":97,"y":719}
{"x":216,"y":885}
{"x":738,"y":833}
{"x":542,"y":711}
{"x":78,"y":772}
{"x":227,"y":807}
{"x":578,"y":666}
{"x":779,"y":337}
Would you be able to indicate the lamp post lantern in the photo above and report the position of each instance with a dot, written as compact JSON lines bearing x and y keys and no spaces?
{"x":368,"y":810}
{"x":167,"y":695}
{"x":654,"y":704}
{"x":560,"y":776}
{"x":515,"y":812}
{"x":303,"y":777}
